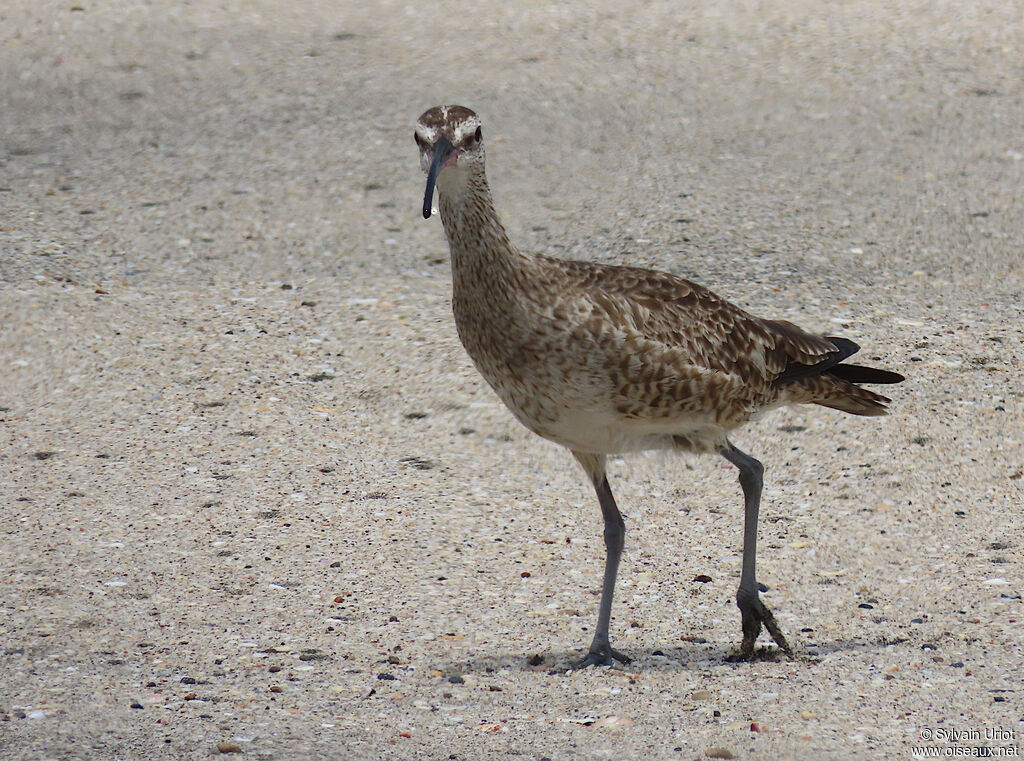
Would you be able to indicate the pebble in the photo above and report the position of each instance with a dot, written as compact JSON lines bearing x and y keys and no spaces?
{"x":614,"y":721}
{"x":585,"y":721}
{"x":229,"y":747}
{"x":720,"y":753}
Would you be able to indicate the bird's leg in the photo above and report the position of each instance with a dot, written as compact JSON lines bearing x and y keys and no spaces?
{"x":753,"y":611}
{"x":601,"y":652}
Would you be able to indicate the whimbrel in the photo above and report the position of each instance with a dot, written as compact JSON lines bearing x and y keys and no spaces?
{"x":608,"y":359}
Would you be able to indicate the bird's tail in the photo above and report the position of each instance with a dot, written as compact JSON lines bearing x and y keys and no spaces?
{"x":838,"y":389}
{"x":814,"y":376}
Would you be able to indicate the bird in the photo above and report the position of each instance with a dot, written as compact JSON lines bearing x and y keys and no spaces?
{"x":611,"y":359}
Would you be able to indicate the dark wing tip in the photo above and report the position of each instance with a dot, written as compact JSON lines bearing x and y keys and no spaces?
{"x":861,"y":374}
{"x":796,"y":370}
{"x":846,"y":347}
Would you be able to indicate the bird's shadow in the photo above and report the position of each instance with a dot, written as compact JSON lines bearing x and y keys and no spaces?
{"x":691,"y":656}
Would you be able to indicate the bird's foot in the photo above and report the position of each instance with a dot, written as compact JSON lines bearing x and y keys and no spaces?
{"x":600,"y":655}
{"x":755,"y":613}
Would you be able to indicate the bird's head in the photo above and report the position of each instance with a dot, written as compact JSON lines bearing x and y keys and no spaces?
{"x":451,"y":148}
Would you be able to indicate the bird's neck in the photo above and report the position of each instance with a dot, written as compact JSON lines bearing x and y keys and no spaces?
{"x":482,"y":254}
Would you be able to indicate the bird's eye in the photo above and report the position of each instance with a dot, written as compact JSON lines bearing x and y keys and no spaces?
{"x":478,"y":135}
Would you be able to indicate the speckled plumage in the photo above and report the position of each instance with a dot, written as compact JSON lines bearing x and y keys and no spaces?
{"x":608,"y":359}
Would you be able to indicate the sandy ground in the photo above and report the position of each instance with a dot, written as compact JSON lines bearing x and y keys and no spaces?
{"x":256,"y":499}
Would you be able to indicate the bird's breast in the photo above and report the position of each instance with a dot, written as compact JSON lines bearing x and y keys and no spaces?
{"x":530,"y":361}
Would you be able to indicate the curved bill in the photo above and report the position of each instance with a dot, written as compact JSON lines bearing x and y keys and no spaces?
{"x":442,"y":150}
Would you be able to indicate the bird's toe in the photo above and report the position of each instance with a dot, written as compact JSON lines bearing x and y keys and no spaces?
{"x":755,"y":615}
{"x":603,"y":656}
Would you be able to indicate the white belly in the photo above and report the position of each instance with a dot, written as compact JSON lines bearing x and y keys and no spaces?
{"x":598,"y":429}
